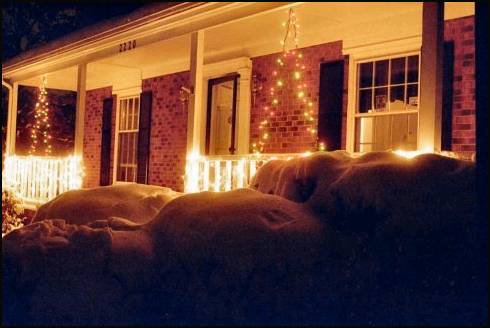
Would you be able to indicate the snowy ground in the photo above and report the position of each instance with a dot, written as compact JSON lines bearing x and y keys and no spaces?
{"x":324,"y":239}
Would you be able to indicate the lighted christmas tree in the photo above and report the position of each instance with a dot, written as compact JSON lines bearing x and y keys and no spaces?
{"x":40,"y":130}
{"x":290,"y":78}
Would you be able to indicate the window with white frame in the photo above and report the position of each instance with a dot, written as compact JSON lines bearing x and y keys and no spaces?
{"x":387,"y":103}
{"x":127,"y":139}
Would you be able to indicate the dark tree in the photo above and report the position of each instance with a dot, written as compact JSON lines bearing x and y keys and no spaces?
{"x":28,"y":24}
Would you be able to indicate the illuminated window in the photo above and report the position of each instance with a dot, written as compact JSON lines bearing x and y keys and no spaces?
{"x":387,"y":103}
{"x":127,"y":139}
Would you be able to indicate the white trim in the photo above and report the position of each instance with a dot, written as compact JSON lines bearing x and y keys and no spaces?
{"x":116,"y":135}
{"x":11,"y":120}
{"x":369,"y":52}
{"x":80,"y":109}
{"x":242,"y":66}
{"x":383,"y":48}
{"x":128,"y":92}
{"x":195,"y":111}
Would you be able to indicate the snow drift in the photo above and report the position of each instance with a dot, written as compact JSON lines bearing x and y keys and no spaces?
{"x":327,"y":239}
{"x":134,"y":202}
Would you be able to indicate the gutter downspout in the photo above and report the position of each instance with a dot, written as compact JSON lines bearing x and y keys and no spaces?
{"x":8,"y":141}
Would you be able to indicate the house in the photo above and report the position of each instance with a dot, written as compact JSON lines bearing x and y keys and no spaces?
{"x":186,"y":95}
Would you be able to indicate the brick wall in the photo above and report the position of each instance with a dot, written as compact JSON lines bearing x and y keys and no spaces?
{"x":287,"y":129}
{"x":461,"y":32}
{"x":93,"y":134}
{"x":168,"y":140}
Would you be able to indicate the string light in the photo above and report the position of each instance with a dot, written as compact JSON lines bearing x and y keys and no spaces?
{"x":290,"y":77}
{"x":40,"y":130}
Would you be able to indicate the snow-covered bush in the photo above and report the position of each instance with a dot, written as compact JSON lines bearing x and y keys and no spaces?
{"x":12,"y":212}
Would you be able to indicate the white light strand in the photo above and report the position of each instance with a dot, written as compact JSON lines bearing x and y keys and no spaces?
{"x":290,"y":76}
{"x":41,"y":127}
{"x":37,"y":179}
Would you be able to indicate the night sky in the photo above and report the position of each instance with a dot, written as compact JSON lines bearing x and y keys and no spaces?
{"x":28,"y":24}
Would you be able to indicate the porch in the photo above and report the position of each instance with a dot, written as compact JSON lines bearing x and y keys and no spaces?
{"x":207,"y":42}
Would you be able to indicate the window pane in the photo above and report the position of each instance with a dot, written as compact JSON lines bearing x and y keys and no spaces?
{"x":130,"y":148}
{"x":130,"y":114}
{"x":135,"y":147}
{"x":398,"y":70}
{"x":399,"y":134}
{"x":385,"y":132}
{"x":412,"y":96}
{"x":120,"y":174}
{"x":380,"y":98}
{"x":382,"y":133}
{"x":364,"y":134}
{"x":397,"y":98}
{"x":381,"y":75}
{"x":412,"y":132}
{"x":413,"y":69}
{"x":137,"y":112}
{"x":124,"y":145}
{"x":366,"y":75}
{"x":130,"y":172}
{"x":365,"y":100}
{"x":122,"y":116}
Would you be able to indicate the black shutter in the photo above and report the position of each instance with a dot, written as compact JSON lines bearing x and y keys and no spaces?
{"x":330,"y":106}
{"x":447,"y":96}
{"x":144,"y":137}
{"x":105,"y":148}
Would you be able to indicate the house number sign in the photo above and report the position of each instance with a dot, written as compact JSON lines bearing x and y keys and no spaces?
{"x":127,"y":46}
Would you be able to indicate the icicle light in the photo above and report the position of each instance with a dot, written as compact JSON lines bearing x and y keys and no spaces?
{"x":37,"y":179}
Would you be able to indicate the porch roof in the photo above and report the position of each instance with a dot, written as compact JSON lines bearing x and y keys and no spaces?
{"x":162,"y":31}
{"x":99,"y":30}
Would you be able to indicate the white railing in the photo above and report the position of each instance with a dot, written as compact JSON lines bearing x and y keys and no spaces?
{"x":37,"y":179}
{"x":227,"y":172}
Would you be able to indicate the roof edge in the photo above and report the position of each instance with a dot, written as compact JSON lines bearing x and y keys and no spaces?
{"x":98,"y":31}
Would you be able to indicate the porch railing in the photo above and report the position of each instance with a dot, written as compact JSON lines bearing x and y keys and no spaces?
{"x":226,"y":172}
{"x":37,"y":179}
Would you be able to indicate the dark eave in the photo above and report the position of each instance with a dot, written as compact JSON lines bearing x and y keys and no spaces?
{"x":93,"y":32}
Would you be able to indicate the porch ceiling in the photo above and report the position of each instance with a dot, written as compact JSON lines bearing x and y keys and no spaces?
{"x":258,"y":35}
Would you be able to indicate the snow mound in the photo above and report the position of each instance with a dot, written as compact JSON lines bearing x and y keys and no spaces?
{"x":135,"y":202}
{"x":326,"y":239}
{"x":66,"y":273}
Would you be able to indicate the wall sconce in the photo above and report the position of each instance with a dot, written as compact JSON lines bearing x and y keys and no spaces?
{"x":184,"y":94}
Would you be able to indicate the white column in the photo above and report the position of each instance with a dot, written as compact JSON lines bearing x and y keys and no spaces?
{"x":195,"y":98}
{"x":80,"y":113}
{"x":12,"y":120}
{"x":243,"y":112}
{"x":430,"y":112}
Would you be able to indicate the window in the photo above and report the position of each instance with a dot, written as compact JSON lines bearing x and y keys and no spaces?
{"x":127,"y":139}
{"x":221,"y":123}
{"x":387,"y":104}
